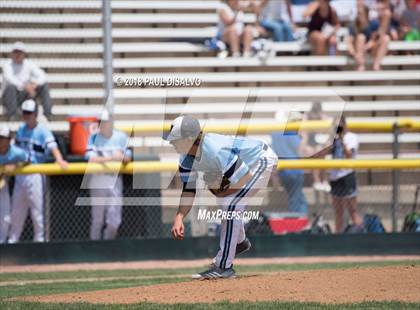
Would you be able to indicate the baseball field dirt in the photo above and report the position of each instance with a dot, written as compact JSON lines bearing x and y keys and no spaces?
{"x":334,"y":286}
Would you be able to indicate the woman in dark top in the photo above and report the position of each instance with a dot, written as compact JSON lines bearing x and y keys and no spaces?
{"x":322,"y":28}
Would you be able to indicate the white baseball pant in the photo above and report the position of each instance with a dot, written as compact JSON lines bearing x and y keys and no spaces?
{"x":106,"y":205}
{"x":27,"y":194}
{"x":233,"y":231}
{"x":4,"y":212}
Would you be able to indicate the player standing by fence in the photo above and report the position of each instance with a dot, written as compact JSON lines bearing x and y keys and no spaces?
{"x":10,"y":156}
{"x":28,"y":192}
{"x":107,"y":145}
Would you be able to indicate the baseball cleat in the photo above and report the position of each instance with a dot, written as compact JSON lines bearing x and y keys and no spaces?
{"x":243,"y":246}
{"x":215,"y":273}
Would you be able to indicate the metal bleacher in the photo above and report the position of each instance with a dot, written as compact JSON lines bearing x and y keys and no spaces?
{"x":155,"y":39}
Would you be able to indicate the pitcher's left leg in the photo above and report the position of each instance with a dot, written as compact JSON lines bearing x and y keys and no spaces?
{"x":235,"y":232}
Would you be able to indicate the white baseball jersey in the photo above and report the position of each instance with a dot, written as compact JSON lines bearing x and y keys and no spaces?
{"x":230,"y":155}
{"x":28,"y":193}
{"x":98,"y":145}
{"x":14,"y":155}
{"x":37,"y":142}
{"x":108,"y":186}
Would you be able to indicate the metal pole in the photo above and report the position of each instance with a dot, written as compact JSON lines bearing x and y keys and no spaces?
{"x":395,"y":179}
{"x":107,"y":54}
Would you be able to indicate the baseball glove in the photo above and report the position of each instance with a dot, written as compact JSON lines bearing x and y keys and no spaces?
{"x":216,"y":182}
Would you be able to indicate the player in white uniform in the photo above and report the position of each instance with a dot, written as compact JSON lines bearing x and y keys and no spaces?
{"x":10,"y":156}
{"x":235,"y":168}
{"x":107,"y":145}
{"x":28,"y":192}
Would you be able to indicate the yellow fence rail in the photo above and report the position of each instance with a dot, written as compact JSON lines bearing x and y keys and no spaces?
{"x":157,"y":166}
{"x":323,"y":125}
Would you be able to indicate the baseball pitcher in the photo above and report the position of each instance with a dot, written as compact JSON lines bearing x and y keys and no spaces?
{"x":235,"y":168}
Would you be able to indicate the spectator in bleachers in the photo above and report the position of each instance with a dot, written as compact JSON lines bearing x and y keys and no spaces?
{"x":276,"y":18}
{"x":382,"y":18}
{"x":372,"y":36}
{"x":232,"y":29}
{"x":360,"y":32}
{"x":410,"y":22}
{"x":107,"y":145}
{"x":23,"y":80}
{"x":310,"y":146}
{"x":343,"y":181}
{"x":322,"y":27}
{"x":301,"y":2}
{"x":397,"y":7}
{"x":287,"y":145}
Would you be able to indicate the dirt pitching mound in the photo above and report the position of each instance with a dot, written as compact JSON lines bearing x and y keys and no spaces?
{"x":400,"y":283}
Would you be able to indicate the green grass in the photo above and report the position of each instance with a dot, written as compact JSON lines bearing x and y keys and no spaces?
{"x":67,"y":287}
{"x":136,"y":277}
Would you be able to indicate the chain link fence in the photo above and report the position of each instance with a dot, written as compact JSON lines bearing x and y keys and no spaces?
{"x":67,"y":211}
{"x":353,"y":206}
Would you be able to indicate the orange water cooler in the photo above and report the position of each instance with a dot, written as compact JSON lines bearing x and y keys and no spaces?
{"x":81,"y":127}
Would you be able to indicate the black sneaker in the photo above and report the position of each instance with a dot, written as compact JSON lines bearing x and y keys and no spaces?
{"x":243,"y":246}
{"x":215,"y":273}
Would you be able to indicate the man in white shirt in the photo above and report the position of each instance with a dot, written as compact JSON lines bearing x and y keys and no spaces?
{"x":23,"y":79}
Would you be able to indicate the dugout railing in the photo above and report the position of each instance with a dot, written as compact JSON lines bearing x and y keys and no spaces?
{"x":149,"y":204}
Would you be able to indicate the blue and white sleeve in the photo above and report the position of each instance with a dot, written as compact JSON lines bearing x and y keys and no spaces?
{"x":22,"y":156}
{"x":231,"y":165}
{"x":91,"y":148}
{"x":188,"y":175}
{"x":49,"y":140}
